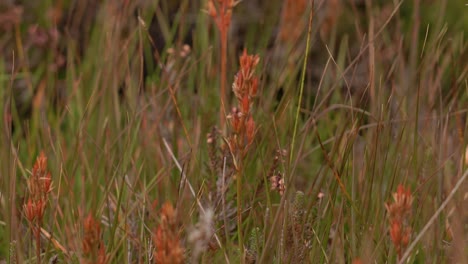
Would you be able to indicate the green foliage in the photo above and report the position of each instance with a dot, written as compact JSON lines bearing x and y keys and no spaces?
{"x":122,"y":108}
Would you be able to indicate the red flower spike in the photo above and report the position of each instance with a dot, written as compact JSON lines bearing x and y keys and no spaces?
{"x":253,"y":90}
{"x":399,"y":213}
{"x":395,"y":232}
{"x":250,"y":130}
{"x":245,"y":104}
{"x":211,"y":9}
{"x":29,"y":210}
{"x":47,"y":185}
{"x":40,"y":208}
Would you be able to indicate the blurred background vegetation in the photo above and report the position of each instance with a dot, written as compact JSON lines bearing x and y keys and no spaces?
{"x":101,"y":86}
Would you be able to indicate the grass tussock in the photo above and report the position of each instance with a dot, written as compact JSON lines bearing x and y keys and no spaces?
{"x":233,"y":131}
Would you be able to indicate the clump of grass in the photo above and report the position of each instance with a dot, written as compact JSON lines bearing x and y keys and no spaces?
{"x":298,"y":233}
{"x":381,"y":100}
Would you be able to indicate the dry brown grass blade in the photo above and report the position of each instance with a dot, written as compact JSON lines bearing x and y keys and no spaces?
{"x":54,"y":241}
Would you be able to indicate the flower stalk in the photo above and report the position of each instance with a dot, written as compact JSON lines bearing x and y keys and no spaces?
{"x":243,"y":126}
{"x":39,"y":187}
{"x":221,"y":13}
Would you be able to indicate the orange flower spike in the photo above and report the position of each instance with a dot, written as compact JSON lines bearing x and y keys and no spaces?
{"x":88,"y":223}
{"x":245,"y":104}
{"x":29,"y":210}
{"x":221,"y":12}
{"x":248,"y":64}
{"x":250,"y":130}
{"x":244,"y":61}
{"x":245,"y":65}
{"x":406,"y":236}
{"x":167,"y":213}
{"x":235,"y":123}
{"x":165,"y":238}
{"x":212,"y":9}
{"x":92,"y":227}
{"x":236,"y":120}
{"x":92,"y":234}
{"x":39,"y":208}
{"x":227,"y":10}
{"x":403,"y":198}
{"x":357,"y":261}
{"x":401,"y":190}
{"x":40,"y":166}
{"x":255,"y":60}
{"x":399,"y":213}
{"x":237,"y":86}
{"x":395,"y":232}
{"x":47,"y":184}
{"x":102,"y":257}
{"x":253,"y":88}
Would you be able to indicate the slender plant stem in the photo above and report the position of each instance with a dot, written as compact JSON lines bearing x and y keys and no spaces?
{"x":301,"y":90}
{"x":37,"y":234}
{"x":239,"y":212}
{"x":222,"y":112}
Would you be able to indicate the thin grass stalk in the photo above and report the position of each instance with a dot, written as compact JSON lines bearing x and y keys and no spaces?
{"x":301,"y":89}
{"x":222,"y":112}
{"x":371,"y":59}
{"x":37,"y":235}
{"x":283,"y":200}
{"x":239,"y":209}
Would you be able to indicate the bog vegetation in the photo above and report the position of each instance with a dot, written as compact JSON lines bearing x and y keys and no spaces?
{"x":221,"y":131}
